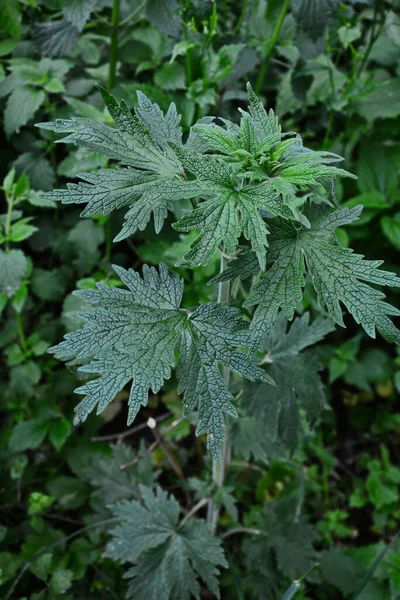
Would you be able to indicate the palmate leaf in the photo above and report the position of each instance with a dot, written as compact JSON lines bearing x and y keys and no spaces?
{"x":232,"y":211}
{"x":260,"y":152}
{"x":298,"y":396}
{"x":285,"y":548}
{"x":131,"y":336}
{"x":337,"y":274}
{"x":272,"y":420}
{"x":169,"y":558}
{"x":152,"y":176}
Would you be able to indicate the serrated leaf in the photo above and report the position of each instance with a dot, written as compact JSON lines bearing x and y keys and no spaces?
{"x":13,"y":264}
{"x":55,"y":38}
{"x":152,"y":181}
{"x":109,"y":189}
{"x":337,"y":274}
{"x":77,"y":12}
{"x":113,"y":484}
{"x":232,"y":212}
{"x":132,"y":335}
{"x":299,"y":391}
{"x":213,"y":330}
{"x":314,"y":16}
{"x":283,"y":549}
{"x":22,"y":105}
{"x":169,"y":558}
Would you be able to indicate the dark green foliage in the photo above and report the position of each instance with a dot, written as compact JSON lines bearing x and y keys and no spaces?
{"x":148,"y":132}
{"x":169,"y":556}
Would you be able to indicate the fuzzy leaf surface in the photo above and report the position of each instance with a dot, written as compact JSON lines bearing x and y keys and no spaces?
{"x":169,"y":559}
{"x":338,"y":275}
{"x":283,"y":549}
{"x":299,"y":389}
{"x":231,"y":212}
{"x":131,"y":335}
{"x":150,"y":178}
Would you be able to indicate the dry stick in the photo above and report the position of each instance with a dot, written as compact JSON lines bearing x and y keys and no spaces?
{"x":153,"y":446}
{"x":240,"y":530}
{"x":123,"y":434}
{"x":164,"y":446}
{"x":193,"y":511}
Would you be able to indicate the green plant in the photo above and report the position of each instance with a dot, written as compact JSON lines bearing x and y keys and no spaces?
{"x":307,"y":502}
{"x":259,"y":198}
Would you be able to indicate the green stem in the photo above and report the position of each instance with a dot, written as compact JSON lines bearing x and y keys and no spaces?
{"x":373,"y":38}
{"x":21,"y":334}
{"x":10,"y":204}
{"x":272,"y":44}
{"x":219,"y":469}
{"x":114,"y":44}
{"x":241,"y":18}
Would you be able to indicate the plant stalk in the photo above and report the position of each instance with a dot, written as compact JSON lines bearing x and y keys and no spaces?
{"x":219,"y":469}
{"x":21,"y":334}
{"x":272,"y":44}
{"x":114,"y":43}
{"x":10,"y":205}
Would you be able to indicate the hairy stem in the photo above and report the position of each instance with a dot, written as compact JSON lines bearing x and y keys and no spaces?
{"x":271,"y":46}
{"x":114,"y":43}
{"x":219,"y":468}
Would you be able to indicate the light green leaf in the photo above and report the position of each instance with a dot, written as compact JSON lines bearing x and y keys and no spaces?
{"x":21,"y":230}
{"x":21,"y":107}
{"x":77,"y":12}
{"x":13,"y":264}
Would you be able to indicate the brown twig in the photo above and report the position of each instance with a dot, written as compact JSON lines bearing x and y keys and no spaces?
{"x":153,"y":446}
{"x":128,"y":432}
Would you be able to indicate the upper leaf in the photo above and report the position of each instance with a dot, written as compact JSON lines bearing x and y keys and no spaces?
{"x":233,"y":210}
{"x":153,"y":178}
{"x":337,"y":274}
{"x":169,"y":558}
{"x":132,"y":335}
{"x":259,"y":151}
{"x":314,"y":15}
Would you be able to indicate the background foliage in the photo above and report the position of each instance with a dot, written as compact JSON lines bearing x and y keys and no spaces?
{"x":331,"y":70}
